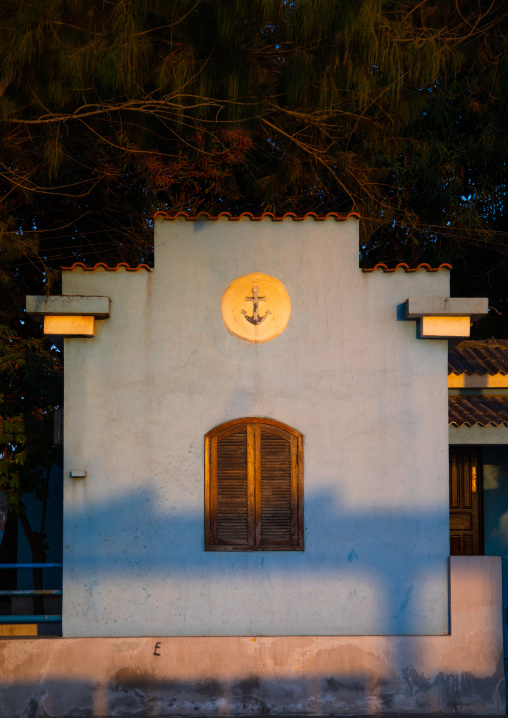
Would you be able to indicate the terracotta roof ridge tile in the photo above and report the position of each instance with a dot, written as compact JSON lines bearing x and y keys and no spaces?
{"x":255,"y":218}
{"x":126,"y":266}
{"x":407,"y":268}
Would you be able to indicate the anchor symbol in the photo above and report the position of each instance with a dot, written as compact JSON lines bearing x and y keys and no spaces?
{"x":255,"y":319}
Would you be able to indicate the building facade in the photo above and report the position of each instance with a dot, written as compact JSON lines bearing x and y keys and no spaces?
{"x":256,"y":488}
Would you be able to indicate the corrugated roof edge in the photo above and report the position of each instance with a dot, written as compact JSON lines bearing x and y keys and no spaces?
{"x":480,"y":372}
{"x":478,"y":423}
{"x":105,"y":266}
{"x":254,"y":218}
{"x":407,"y":268}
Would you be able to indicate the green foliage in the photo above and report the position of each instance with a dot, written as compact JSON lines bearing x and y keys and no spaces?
{"x":30,"y":390}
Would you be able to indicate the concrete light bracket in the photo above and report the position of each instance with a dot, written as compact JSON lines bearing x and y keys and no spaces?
{"x":445,"y":317}
{"x":68,"y":316}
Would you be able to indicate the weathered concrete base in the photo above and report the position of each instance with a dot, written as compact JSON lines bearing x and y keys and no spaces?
{"x":459,"y":673}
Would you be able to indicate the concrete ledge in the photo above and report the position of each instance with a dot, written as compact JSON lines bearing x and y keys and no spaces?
{"x":478,"y":434}
{"x":41,"y":306}
{"x":474,"y":307}
{"x":461,"y":673}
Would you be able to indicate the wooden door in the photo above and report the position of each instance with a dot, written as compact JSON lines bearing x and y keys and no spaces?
{"x":466,"y":529}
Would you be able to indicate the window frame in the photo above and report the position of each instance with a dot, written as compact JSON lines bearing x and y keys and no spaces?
{"x":254,"y":427}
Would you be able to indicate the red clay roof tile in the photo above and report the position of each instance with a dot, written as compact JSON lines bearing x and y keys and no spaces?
{"x":406,"y":267}
{"x":474,"y":356}
{"x":105,"y":266}
{"x":255,"y":218}
{"x":478,"y":410}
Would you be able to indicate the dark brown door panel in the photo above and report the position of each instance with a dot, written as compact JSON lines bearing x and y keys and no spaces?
{"x":466,"y":531}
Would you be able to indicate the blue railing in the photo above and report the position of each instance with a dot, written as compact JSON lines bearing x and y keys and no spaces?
{"x":30,"y":592}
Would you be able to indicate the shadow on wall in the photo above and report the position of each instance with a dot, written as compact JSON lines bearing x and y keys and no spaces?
{"x":135,"y":531}
{"x":134,"y":536}
{"x":138,"y":541}
{"x":139,"y":692}
{"x":398,"y":559}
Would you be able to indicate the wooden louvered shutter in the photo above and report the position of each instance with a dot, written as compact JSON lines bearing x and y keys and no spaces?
{"x":276,"y":515}
{"x":253,"y":487}
{"x":230,"y":488}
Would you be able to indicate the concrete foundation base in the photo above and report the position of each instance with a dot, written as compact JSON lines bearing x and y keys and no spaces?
{"x":459,"y":673}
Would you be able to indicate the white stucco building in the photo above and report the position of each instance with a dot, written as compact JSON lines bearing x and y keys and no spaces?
{"x":256,"y":492}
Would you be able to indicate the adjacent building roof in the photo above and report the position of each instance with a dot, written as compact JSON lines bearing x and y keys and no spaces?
{"x":479,"y":357}
{"x":478,"y":410}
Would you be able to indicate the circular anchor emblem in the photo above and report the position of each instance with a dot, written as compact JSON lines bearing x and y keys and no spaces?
{"x":256,"y":308}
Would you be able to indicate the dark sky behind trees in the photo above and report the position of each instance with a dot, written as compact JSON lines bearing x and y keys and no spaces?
{"x":110,"y":111}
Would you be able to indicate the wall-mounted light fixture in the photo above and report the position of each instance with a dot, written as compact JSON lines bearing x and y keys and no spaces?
{"x":68,"y":316}
{"x":445,"y":317}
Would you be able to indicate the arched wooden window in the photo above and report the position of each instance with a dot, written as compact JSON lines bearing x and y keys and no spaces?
{"x":253,"y":487}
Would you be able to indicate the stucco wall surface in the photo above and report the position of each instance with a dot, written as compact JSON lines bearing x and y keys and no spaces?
{"x":165,"y":676}
{"x":369,"y":396}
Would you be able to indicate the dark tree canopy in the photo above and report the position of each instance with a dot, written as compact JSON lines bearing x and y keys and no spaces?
{"x":110,"y":111}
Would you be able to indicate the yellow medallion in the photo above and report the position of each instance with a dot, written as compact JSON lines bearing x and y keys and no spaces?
{"x":255,"y":308}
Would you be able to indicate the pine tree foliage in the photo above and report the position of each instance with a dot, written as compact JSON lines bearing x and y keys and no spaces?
{"x":350,"y":105}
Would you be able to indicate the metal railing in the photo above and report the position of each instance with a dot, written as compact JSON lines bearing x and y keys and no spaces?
{"x":30,"y":592}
